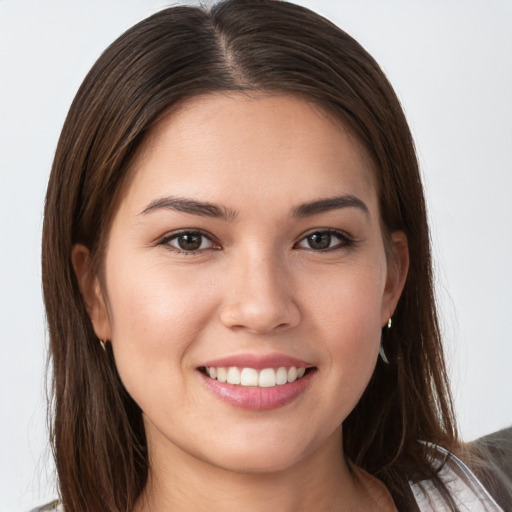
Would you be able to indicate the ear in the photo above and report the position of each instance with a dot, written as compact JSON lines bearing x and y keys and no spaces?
{"x":91,"y":291}
{"x":398,"y":266}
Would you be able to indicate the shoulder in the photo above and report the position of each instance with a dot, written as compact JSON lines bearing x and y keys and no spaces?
{"x":497,"y":447}
{"x":54,"y":506}
{"x":490,"y":458}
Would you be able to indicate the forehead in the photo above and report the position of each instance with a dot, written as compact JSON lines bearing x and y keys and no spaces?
{"x":237,"y":144}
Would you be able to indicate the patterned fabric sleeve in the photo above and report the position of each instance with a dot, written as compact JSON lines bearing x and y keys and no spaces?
{"x":464,"y":489}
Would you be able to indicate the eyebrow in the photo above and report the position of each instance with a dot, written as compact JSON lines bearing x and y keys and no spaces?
{"x":328,"y":204}
{"x":206,"y":209}
{"x":180,"y":204}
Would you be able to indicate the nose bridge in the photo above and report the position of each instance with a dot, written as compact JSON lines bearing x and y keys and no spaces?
{"x":259,"y":294}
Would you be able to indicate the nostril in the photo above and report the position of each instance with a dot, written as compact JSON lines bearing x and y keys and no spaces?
{"x":260,"y":317}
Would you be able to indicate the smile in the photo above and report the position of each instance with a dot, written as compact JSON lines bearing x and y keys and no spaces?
{"x":264,"y":378}
{"x":257,"y":381}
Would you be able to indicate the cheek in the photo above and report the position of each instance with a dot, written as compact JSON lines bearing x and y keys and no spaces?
{"x":156,"y":315}
{"x":346,"y":311}
{"x":154,"y":298}
{"x":348,"y":302}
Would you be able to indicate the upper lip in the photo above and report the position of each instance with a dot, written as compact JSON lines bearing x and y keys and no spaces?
{"x":258,"y":361}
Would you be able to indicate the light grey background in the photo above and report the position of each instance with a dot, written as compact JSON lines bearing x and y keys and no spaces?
{"x":451,"y":64}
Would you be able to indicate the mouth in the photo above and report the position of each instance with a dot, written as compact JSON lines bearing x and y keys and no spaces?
{"x":258,"y":387}
{"x":253,"y":377}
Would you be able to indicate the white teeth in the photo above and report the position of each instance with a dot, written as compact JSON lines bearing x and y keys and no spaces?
{"x":281,"y":376}
{"x":292,"y":374}
{"x":222,"y":375}
{"x":266,"y":378}
{"x":249,"y":377}
{"x":233,"y":375}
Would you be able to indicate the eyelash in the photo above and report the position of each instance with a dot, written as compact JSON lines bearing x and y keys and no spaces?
{"x":166,"y":241}
{"x":345,"y":241}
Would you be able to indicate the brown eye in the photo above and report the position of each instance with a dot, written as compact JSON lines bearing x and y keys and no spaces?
{"x":188,"y":241}
{"x":325,"y":240}
{"x":319,"y":241}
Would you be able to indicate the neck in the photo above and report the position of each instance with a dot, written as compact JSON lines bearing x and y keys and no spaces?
{"x":321,"y":481}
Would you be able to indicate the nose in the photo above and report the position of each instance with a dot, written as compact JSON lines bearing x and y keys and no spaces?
{"x":259,"y":297}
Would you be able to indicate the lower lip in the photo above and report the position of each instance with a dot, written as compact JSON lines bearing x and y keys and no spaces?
{"x":256,"y":398}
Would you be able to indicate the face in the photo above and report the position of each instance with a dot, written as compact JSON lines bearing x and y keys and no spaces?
{"x":246,"y":281}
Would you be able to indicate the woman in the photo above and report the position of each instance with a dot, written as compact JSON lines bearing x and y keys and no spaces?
{"x":234,"y":230}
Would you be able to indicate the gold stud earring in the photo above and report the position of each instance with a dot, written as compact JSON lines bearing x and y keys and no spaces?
{"x":102,"y":343}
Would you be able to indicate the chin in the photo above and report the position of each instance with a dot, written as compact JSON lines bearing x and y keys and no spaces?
{"x":263,"y":462}
{"x":267,"y":452}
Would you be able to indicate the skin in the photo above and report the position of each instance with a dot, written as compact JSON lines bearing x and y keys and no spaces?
{"x":254,"y":286}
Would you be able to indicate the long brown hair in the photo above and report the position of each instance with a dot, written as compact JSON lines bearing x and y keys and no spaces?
{"x":180,"y":52}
